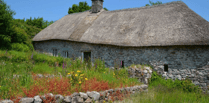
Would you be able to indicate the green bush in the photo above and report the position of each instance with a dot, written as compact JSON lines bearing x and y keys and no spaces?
{"x":18,"y":56}
{"x":185,"y":85}
{"x":20,"y":47}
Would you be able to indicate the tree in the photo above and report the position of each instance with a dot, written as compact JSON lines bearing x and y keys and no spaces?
{"x":83,"y":6}
{"x":106,"y":9}
{"x":152,"y":3}
{"x":6,"y":30}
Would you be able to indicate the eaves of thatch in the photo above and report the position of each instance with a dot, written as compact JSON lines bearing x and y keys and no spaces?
{"x":161,"y":25}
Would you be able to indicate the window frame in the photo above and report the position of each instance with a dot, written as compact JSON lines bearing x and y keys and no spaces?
{"x":55,"y":52}
{"x":66,"y":54}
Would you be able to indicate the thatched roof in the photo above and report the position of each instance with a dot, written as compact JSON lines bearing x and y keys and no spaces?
{"x":161,"y":25}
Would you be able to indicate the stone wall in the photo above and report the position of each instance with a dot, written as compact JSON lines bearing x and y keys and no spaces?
{"x":199,"y":76}
{"x":177,"y":57}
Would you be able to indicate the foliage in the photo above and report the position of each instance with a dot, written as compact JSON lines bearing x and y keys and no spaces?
{"x":83,"y":6}
{"x":186,"y":85}
{"x":6,"y":30}
{"x":18,"y":33}
{"x":20,"y":47}
{"x":152,"y":3}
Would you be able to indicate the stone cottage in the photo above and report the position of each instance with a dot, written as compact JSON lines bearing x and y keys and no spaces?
{"x":169,"y":33}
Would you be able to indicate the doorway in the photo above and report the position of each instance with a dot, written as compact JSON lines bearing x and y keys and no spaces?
{"x":87,"y":56}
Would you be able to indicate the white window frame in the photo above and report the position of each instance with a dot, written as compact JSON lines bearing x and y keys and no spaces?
{"x":55,"y":52}
{"x":82,"y":55}
{"x":66,"y":54}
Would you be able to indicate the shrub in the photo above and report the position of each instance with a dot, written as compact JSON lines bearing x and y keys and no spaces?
{"x":20,"y":47}
{"x":185,"y":85}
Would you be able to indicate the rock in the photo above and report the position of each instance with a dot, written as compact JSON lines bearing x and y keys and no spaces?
{"x":6,"y":101}
{"x":80,"y":100}
{"x":83,"y":95}
{"x":164,"y":75}
{"x":74,"y":100}
{"x":203,"y":84}
{"x":88,"y":100}
{"x":145,"y":71}
{"x":196,"y":82}
{"x":26,"y":100}
{"x":110,"y":90}
{"x":143,"y":86}
{"x":178,"y":77}
{"x":170,"y":76}
{"x":95,"y":95}
{"x":40,"y":75}
{"x":59,"y":98}
{"x":67,"y":99}
{"x":37,"y":99}
{"x":127,"y":88}
{"x":75,"y":94}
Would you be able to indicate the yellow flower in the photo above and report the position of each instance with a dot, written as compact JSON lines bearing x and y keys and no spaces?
{"x":76,"y":75}
{"x":82,"y":74}
{"x":86,"y":79}
{"x":0,"y":86}
{"x":68,"y":73}
{"x":80,"y":82}
{"x":78,"y":71}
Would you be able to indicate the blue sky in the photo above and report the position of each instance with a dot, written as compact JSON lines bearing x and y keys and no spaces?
{"x":53,"y":10}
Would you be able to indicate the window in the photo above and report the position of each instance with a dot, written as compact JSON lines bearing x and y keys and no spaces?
{"x":54,"y":52}
{"x":65,"y":54}
{"x":166,"y":67}
{"x":122,"y":64}
{"x":87,"y":56}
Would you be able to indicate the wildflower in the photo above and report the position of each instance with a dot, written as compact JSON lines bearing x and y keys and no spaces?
{"x":78,"y":71}
{"x":32,"y":56}
{"x":68,"y":73}
{"x":0,"y":86}
{"x":76,"y":75}
{"x":6,"y":52}
{"x":63,"y":65}
{"x":96,"y":66}
{"x":82,"y":74}
{"x":80,"y":82}
{"x":104,"y":72}
{"x":86,"y":79}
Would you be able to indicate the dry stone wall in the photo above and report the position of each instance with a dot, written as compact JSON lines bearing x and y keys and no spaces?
{"x":199,"y":76}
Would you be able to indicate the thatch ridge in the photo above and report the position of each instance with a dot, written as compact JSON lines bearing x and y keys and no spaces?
{"x":146,"y":7}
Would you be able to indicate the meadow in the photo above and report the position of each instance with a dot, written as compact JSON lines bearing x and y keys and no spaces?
{"x":84,"y":77}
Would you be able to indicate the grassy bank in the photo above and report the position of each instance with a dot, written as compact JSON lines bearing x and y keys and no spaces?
{"x":162,"y":94}
{"x":83,"y":77}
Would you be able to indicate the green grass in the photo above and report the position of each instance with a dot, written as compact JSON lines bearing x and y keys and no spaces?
{"x":162,"y":94}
